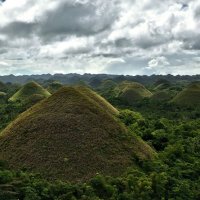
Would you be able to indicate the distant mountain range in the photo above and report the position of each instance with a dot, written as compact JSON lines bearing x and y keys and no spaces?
{"x":95,"y":79}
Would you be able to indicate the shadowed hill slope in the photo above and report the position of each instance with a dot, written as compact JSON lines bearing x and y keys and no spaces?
{"x":132,"y":92}
{"x":72,"y":135}
{"x":2,"y":86}
{"x":29,"y":90}
{"x":190,"y":96}
{"x":162,"y":81}
{"x":161,"y":96}
{"x":108,"y":85}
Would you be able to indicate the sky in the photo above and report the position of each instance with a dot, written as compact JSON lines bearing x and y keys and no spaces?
{"x":100,"y":36}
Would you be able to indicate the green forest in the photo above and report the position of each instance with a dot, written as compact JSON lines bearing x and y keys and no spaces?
{"x":162,"y":120}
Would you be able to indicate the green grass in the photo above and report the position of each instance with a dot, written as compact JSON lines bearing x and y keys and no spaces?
{"x":72,"y":135}
{"x":132,"y":92}
{"x":190,"y":96}
{"x":29,"y":90}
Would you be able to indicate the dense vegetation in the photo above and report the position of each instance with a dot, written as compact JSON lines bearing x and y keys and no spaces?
{"x":172,"y":130}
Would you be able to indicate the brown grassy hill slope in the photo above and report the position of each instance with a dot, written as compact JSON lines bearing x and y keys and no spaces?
{"x":54,"y":87}
{"x":132,"y":92}
{"x":190,"y":96}
{"x":71,"y":136}
{"x":28,"y":90}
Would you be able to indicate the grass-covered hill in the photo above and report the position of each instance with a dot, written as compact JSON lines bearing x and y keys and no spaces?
{"x":190,"y":96}
{"x":132,"y":92}
{"x":161,"y":84}
{"x":161,"y":96}
{"x":72,"y":135}
{"x":54,"y":87}
{"x":30,"y":91}
{"x":107,"y":85}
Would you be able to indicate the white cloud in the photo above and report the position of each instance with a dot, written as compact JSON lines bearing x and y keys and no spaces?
{"x":3,"y":63}
{"x":158,"y":62}
{"x":144,"y":36}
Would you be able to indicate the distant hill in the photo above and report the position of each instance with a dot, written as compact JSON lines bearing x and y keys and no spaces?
{"x":30,"y":91}
{"x":161,"y":84}
{"x":161,"y":96}
{"x":95,"y":80}
{"x":54,"y":87}
{"x":162,"y":81}
{"x":72,"y":135}
{"x":107,"y":85}
{"x":2,"y":87}
{"x":132,"y":92}
{"x":190,"y":96}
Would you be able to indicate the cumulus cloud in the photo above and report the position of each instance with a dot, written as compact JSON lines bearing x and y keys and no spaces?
{"x":122,"y":37}
{"x":158,"y":62}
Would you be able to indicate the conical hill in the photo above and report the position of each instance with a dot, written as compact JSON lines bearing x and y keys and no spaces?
{"x":190,"y":96}
{"x":72,"y":135}
{"x":132,"y":92}
{"x":28,"y":91}
{"x":54,"y":87}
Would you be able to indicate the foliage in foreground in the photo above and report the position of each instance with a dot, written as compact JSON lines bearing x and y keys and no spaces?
{"x":173,"y":175}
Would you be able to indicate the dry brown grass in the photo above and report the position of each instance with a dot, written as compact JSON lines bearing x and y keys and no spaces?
{"x":132,"y":92}
{"x":72,"y":135}
{"x":28,"y":90}
{"x":190,"y":96}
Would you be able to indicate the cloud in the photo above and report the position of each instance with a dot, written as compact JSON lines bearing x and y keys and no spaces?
{"x":4,"y":64}
{"x":158,"y":62}
{"x":100,"y":36}
{"x":18,"y":29}
{"x":78,"y":18}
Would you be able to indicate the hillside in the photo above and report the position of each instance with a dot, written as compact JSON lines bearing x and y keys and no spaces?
{"x":29,"y":91}
{"x":72,"y":135}
{"x":54,"y":87}
{"x":161,"y":96}
{"x":90,"y":78}
{"x":2,"y":87}
{"x":190,"y":96}
{"x":107,"y":85}
{"x":132,"y":92}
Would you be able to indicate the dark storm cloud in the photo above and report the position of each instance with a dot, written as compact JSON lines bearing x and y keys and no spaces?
{"x":123,"y":42}
{"x":193,"y":44}
{"x":76,"y":19}
{"x":3,"y":43}
{"x":69,"y":18}
{"x":19,"y":29}
{"x":2,"y":51}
